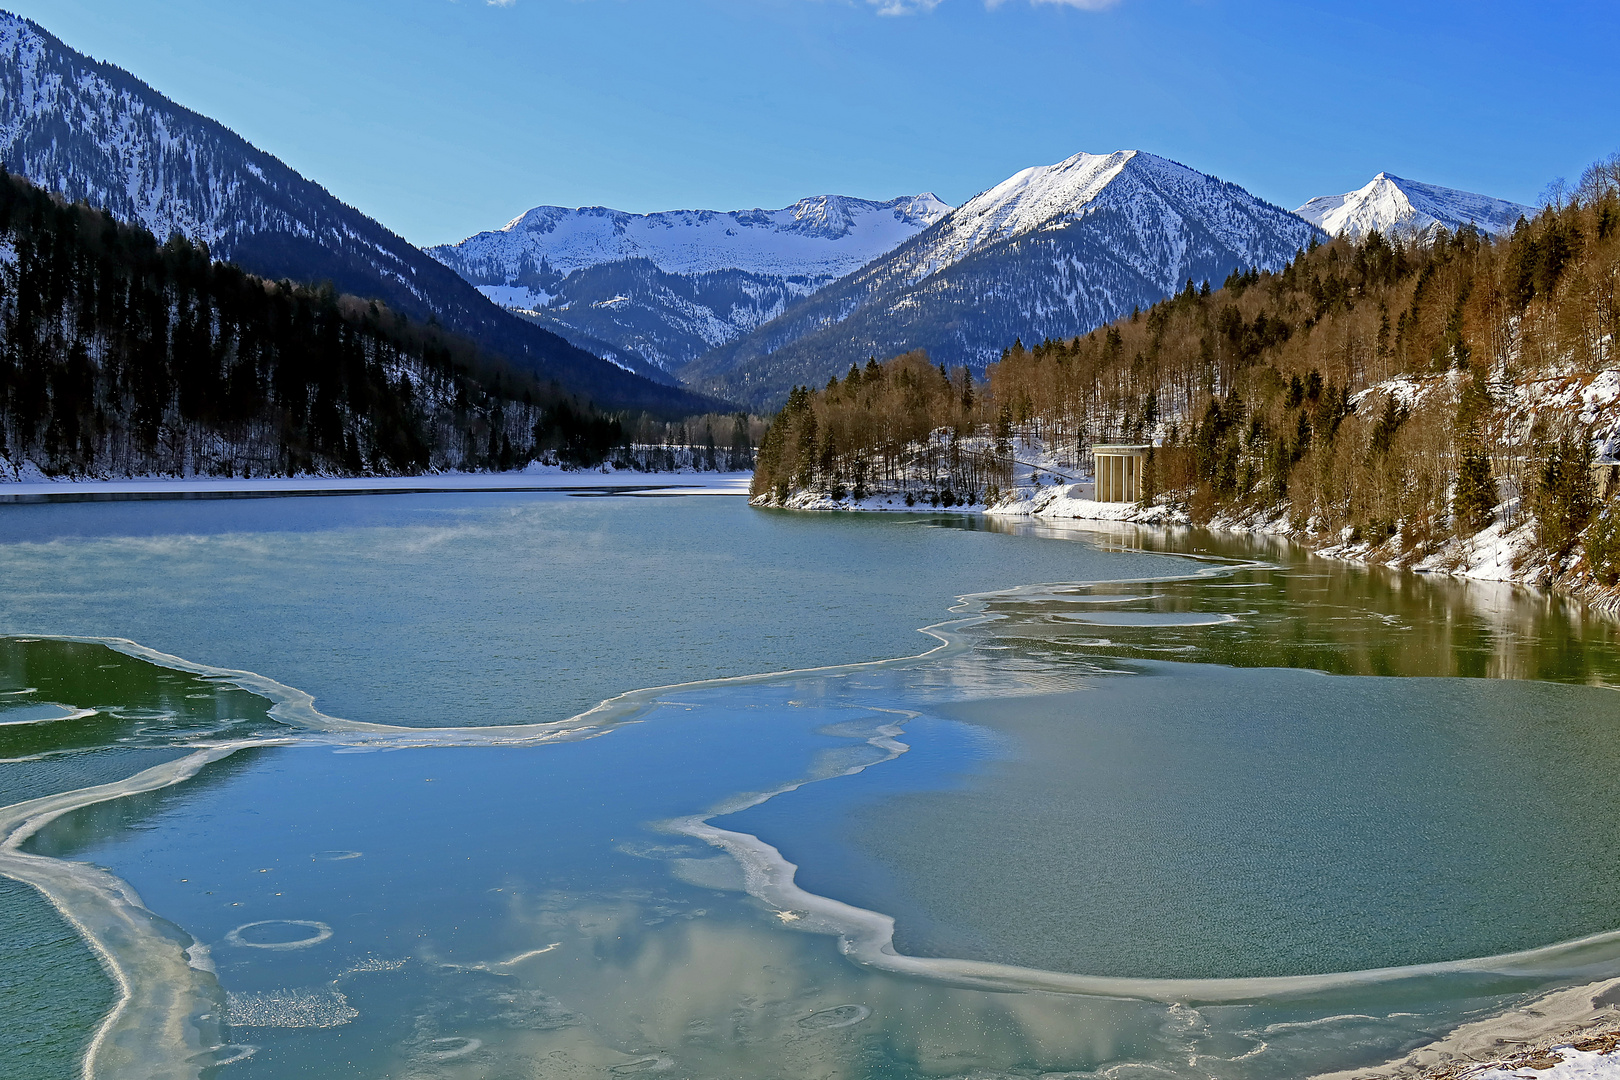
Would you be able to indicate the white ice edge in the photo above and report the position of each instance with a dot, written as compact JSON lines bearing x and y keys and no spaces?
{"x":168,"y":1010}
{"x":167,"y":1018}
{"x":92,"y":899}
{"x":71,"y":714}
{"x":867,"y":937}
{"x":539,"y":480}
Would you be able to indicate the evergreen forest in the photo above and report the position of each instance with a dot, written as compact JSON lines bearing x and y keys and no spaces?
{"x":124,"y":356}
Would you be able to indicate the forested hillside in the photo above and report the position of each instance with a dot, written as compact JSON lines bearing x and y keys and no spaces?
{"x":656,"y":291}
{"x":92,"y":132}
{"x":123,"y":356}
{"x":1384,"y":396}
{"x":1049,"y":252}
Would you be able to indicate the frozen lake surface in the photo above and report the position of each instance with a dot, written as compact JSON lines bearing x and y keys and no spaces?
{"x":1215,"y":809}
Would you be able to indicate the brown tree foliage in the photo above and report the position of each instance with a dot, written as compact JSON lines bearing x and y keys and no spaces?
{"x":1381,"y":389}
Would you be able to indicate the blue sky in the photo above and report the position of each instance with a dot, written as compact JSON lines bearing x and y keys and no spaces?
{"x":442,"y":118}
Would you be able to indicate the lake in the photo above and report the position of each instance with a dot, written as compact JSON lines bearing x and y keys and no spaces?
{"x":511,"y":785}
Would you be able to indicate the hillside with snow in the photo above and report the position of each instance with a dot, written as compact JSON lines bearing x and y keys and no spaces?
{"x":665,"y":288}
{"x":822,"y":237}
{"x":1050,"y":252}
{"x":91,"y":131}
{"x":1394,"y":205}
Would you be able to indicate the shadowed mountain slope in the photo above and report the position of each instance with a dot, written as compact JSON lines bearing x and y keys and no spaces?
{"x":1049,"y":253}
{"x":93,"y":132}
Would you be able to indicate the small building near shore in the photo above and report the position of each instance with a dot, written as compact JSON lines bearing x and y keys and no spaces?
{"x":1118,"y":469}
{"x":1606,"y":476}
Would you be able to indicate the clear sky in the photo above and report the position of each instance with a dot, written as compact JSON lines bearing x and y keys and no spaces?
{"x":443,"y":118}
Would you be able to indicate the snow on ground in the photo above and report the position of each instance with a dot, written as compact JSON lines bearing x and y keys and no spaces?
{"x":1496,"y":553}
{"x":1590,"y":398}
{"x":1075,"y":501}
{"x":1405,"y":390}
{"x":1047,"y":484}
{"x":1392,"y":204}
{"x":1564,"y":1063}
{"x":1568,"y":1034}
{"x":35,"y":487}
{"x":824,"y":237}
{"x":818,"y":500}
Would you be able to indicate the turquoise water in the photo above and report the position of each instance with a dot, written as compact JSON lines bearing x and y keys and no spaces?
{"x":1116,"y":764}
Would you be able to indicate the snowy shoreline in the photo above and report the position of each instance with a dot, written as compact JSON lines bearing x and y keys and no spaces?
{"x":1500,"y":552}
{"x":1569,"y":1034}
{"x":534,"y":478}
{"x":1553,"y":1034}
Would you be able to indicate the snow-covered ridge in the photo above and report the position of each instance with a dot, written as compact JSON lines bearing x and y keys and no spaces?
{"x":1152,"y":195}
{"x":93,"y":132}
{"x":826,"y":236}
{"x":1392,"y":204}
{"x":1041,"y":196}
{"x":665,"y":288}
{"x":1050,"y":252}
{"x":42,"y":90}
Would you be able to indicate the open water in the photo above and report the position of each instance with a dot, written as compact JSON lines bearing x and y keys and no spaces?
{"x":326,"y":787}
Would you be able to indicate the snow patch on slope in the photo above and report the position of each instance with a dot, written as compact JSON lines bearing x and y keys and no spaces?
{"x":669,"y":286}
{"x":1392,"y":204}
{"x":1153,"y":197}
{"x":826,"y":237}
{"x":1044,"y":196}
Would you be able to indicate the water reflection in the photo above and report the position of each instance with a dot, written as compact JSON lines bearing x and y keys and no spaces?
{"x":60,"y":697}
{"x":1282,"y":607}
{"x":1120,"y":778}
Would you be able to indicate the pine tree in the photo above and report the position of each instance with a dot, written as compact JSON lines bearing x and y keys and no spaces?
{"x":1564,"y":499}
{"x":1474,"y":499}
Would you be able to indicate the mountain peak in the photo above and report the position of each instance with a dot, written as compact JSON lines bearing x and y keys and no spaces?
{"x":1050,"y":252}
{"x":1028,"y":199}
{"x":822,"y":236}
{"x":668,"y":286}
{"x":1049,"y":197}
{"x":89,"y":131}
{"x":1393,"y":204}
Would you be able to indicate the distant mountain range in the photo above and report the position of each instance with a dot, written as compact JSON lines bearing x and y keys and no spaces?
{"x":1050,"y":252}
{"x":747,"y":304}
{"x":1406,"y":208}
{"x":657,"y":291}
{"x":738,"y":306}
{"x":91,"y":131}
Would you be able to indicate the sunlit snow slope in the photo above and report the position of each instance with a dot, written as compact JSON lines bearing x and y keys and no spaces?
{"x":1050,"y":252}
{"x":1392,"y":204}
{"x":829,"y":235}
{"x":669,"y":286}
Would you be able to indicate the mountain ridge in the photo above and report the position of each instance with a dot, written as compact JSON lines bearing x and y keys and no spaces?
{"x":91,"y":131}
{"x":1052,"y":251}
{"x":1410,"y":208}
{"x":802,"y":239}
{"x":655,"y":291}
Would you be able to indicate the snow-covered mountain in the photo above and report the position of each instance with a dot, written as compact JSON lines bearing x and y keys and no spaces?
{"x":91,"y":131}
{"x":1050,"y":252}
{"x":1392,"y":204}
{"x":665,"y":288}
{"x":826,"y":236}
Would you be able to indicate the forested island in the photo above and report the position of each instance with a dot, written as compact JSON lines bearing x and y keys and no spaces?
{"x":1387,"y":397}
{"x":124,"y":356}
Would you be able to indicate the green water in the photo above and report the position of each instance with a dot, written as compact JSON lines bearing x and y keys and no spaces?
{"x":1124,"y":763}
